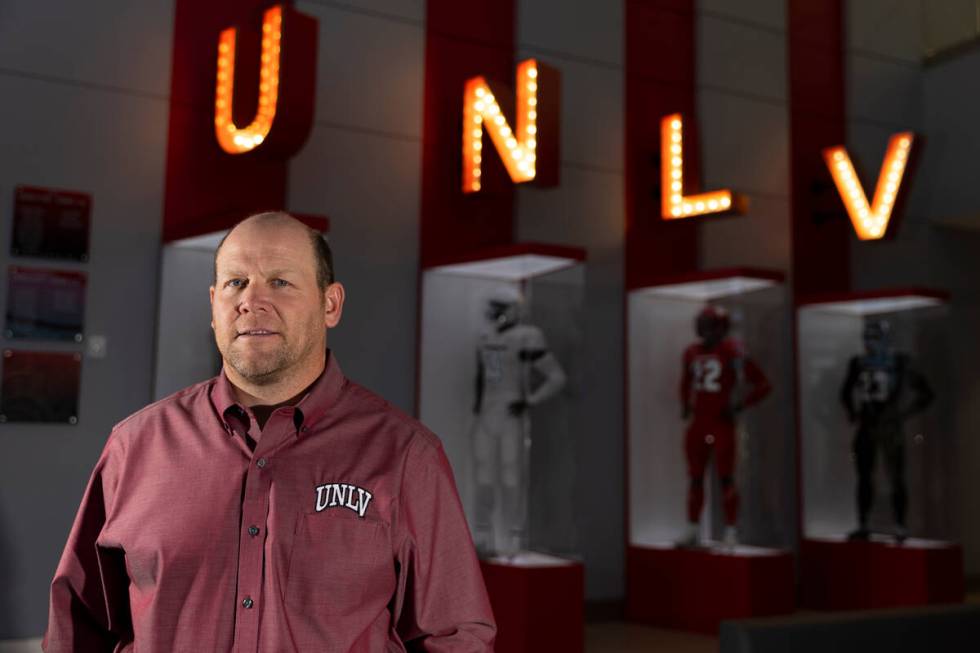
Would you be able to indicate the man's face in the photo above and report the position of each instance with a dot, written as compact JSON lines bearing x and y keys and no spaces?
{"x":268,"y":314}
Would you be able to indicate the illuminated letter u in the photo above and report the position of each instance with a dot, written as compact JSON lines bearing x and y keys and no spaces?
{"x":238,"y":140}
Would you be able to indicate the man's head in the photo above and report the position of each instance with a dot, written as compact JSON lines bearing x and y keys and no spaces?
{"x":273,"y":299}
{"x":712,"y":324}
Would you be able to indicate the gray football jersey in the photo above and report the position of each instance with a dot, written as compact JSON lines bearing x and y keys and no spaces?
{"x":507,"y":359}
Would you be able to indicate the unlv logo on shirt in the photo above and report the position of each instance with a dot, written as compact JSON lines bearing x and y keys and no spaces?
{"x":343,"y":495}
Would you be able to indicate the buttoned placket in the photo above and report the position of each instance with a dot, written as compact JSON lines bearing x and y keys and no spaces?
{"x":254,"y":520}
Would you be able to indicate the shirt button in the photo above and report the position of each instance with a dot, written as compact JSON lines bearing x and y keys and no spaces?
{"x":247,"y":603}
{"x":253,"y":530}
{"x":262,"y":463}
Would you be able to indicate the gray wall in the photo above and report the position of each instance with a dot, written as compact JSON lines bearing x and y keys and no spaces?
{"x":947,"y":252}
{"x":889,"y":89}
{"x":85,"y":89}
{"x":98,"y":123}
{"x":743,"y":117}
{"x":583,"y":39}
{"x":91,"y":82}
{"x":743,"y":122}
{"x":362,"y":168}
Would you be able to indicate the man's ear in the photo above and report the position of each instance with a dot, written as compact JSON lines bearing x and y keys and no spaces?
{"x":211,"y":298}
{"x":333,"y":304}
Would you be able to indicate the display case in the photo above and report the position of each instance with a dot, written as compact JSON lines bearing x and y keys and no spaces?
{"x":499,"y":382}
{"x":752,"y":575}
{"x":897,"y":465}
{"x":185,"y":350}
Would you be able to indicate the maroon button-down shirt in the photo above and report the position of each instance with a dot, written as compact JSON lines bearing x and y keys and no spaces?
{"x":342,"y":531}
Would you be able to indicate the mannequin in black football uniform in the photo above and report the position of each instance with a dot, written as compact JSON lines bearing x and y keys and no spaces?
{"x":882,"y":390}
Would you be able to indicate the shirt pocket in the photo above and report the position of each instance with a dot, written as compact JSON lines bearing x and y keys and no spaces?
{"x":340,"y":564}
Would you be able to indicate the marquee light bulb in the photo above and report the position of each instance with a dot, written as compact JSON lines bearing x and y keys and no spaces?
{"x":516,"y":147}
{"x":675,"y":204}
{"x":231,"y":138}
{"x":870,"y":222}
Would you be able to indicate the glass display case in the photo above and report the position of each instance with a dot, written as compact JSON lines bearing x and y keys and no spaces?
{"x":711,"y":507}
{"x":185,"y":350}
{"x":912,"y":451}
{"x":499,"y":378}
{"x":661,"y":328}
{"x":877,"y":433}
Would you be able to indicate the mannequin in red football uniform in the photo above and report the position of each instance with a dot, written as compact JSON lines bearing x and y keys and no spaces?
{"x":717,"y":383}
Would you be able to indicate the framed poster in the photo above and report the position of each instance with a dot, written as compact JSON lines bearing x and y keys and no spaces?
{"x":40,"y":386}
{"x":45,"y":304}
{"x":51,"y":223}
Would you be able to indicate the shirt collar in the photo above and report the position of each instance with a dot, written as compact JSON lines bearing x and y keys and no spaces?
{"x":318,"y":399}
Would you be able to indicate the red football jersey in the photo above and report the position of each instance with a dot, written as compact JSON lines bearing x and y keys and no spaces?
{"x":711,"y":376}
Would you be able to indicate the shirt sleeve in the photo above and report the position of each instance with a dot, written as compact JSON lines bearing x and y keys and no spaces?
{"x":89,"y":605}
{"x":442,"y":604}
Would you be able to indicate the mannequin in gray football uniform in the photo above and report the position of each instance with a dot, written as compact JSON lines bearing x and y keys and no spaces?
{"x":515,"y":371}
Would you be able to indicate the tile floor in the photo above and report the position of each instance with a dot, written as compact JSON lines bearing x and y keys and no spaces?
{"x":619,"y":637}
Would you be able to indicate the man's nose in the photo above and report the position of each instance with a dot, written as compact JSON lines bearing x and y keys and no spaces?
{"x":253,"y":298}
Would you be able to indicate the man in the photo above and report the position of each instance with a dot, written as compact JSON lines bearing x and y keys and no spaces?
{"x":882,"y":389}
{"x":276,"y":507}
{"x":712,"y":395}
{"x":507,"y":354}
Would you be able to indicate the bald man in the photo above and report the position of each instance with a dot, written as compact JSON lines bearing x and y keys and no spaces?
{"x":278,"y":506}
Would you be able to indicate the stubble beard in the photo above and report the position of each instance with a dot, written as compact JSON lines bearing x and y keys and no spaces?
{"x":271,"y":367}
{"x":260,"y":370}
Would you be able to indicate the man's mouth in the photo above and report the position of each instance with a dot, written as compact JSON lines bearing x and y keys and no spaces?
{"x":257,"y":333}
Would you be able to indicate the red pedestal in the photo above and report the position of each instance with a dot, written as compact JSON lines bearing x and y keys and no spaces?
{"x":840,"y":575}
{"x":538,"y":602}
{"x":696,"y":589}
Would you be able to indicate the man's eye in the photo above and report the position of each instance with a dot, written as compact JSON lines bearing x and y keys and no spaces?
{"x":280,"y":283}
{"x":235,"y":283}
